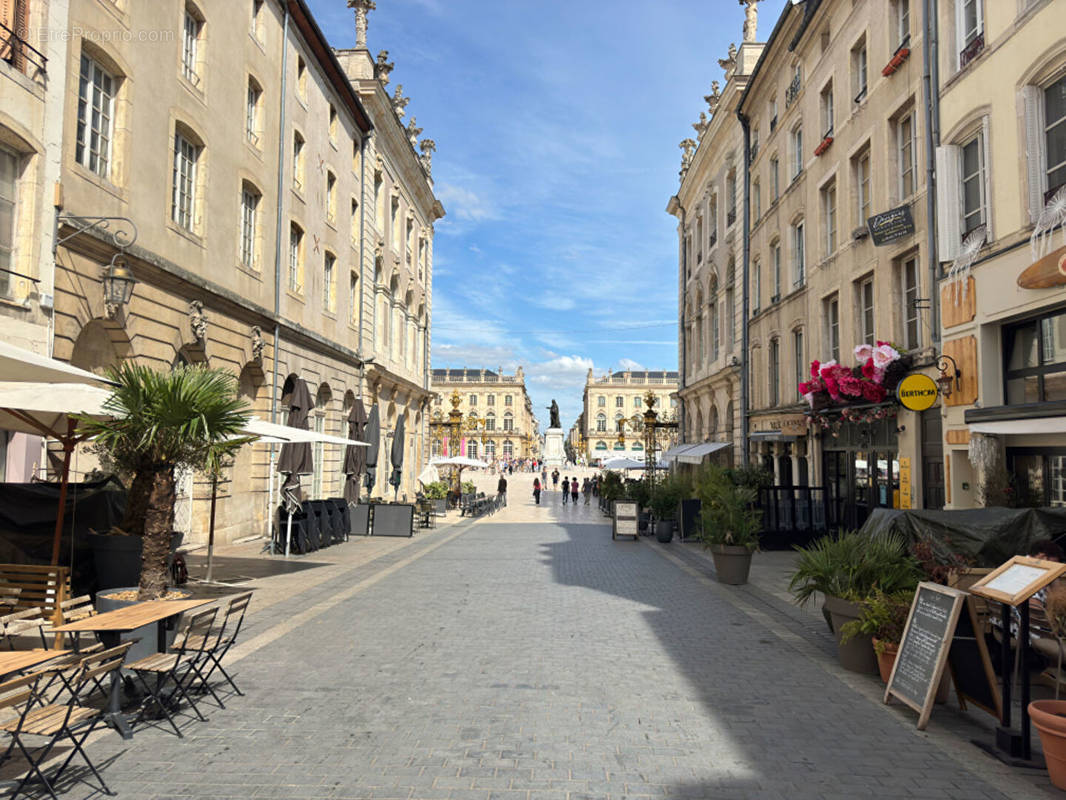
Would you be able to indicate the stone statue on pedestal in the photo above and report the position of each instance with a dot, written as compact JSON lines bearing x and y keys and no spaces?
{"x":553,"y":410}
{"x":361,"y":8}
{"x":751,"y":18}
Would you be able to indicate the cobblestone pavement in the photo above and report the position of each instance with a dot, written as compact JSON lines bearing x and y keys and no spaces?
{"x":529,"y":657}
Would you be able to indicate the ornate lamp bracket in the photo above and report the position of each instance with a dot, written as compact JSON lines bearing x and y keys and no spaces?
{"x":123,"y":235}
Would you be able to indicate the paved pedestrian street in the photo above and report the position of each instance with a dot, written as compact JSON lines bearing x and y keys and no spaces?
{"x":527,"y":656}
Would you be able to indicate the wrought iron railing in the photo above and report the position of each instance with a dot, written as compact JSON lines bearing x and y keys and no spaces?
{"x":17,"y":51}
{"x":793,"y":90}
{"x":972,"y":49}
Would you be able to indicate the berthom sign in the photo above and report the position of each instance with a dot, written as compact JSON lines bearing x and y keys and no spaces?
{"x":917,"y":392}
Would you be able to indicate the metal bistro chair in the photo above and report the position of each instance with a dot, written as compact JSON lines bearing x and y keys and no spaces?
{"x":218,"y":643}
{"x":179,"y":665}
{"x":70,"y":720}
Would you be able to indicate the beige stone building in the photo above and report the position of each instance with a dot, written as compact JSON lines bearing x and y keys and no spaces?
{"x":611,"y":403}
{"x":290,"y":238}
{"x":1001,"y":173}
{"x":835,"y":117}
{"x":32,"y":92}
{"x":709,"y":206}
{"x":499,"y":423}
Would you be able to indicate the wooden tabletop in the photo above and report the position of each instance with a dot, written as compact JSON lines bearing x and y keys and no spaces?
{"x":132,"y":617}
{"x":15,"y":660}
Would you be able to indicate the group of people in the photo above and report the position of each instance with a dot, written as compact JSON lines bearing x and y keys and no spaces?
{"x":570,"y":488}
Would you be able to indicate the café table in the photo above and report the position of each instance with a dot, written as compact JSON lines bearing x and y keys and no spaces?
{"x":110,"y":626}
{"x":12,"y":661}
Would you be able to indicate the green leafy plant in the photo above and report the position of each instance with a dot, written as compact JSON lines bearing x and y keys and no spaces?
{"x":162,"y":421}
{"x":882,"y":616}
{"x":437,"y":490}
{"x":852,"y":566}
{"x":727,"y":509}
{"x":611,"y":487}
{"x":937,"y":559}
{"x":752,"y":476}
{"x":639,"y":491}
{"x":468,"y":487}
{"x":665,"y":496}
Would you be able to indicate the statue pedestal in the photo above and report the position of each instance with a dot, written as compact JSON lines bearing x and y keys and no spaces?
{"x":554,"y":454}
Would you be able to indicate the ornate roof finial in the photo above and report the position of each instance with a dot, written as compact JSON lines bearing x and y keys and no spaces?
{"x":751,"y":18}
{"x":730,"y":62}
{"x":713,"y":98}
{"x":383,"y":67}
{"x":399,"y":102}
{"x":688,"y":147}
{"x":362,"y":7}
{"x":701,"y":126}
{"x":413,"y":132}
{"x":428,"y":148}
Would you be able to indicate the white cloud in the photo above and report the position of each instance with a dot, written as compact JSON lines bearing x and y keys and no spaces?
{"x":628,"y":363}
{"x":473,"y":356}
{"x":466,"y":204}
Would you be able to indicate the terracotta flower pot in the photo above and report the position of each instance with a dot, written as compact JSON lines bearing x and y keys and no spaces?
{"x":885,"y":659}
{"x":1049,"y":717}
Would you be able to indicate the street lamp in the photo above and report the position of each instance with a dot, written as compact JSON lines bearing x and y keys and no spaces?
{"x":118,"y":282}
{"x":944,"y":381}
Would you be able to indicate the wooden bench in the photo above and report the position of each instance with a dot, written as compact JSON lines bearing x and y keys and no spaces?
{"x":40,"y":586}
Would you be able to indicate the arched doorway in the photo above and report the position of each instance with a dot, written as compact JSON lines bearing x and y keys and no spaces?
{"x":94,"y":349}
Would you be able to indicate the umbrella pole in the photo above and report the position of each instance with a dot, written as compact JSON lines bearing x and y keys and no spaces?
{"x":288,"y":535}
{"x":211,"y":529}
{"x":68,"y":448}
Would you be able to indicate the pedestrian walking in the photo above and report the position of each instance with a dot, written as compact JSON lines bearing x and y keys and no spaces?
{"x":586,"y":490}
{"x":573,"y":490}
{"x":501,"y":491}
{"x":536,"y":490}
{"x":543,"y":476}
{"x":555,"y":479}
{"x":566,"y":487}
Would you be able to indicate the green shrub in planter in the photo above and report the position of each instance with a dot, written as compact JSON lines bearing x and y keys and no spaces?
{"x":437,"y":490}
{"x":639,"y":492}
{"x":882,"y":616}
{"x":852,"y":566}
{"x":727,"y":510}
{"x":665,"y":496}
{"x":468,"y":487}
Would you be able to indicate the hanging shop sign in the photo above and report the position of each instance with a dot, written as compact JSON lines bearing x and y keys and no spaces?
{"x":890,"y":225}
{"x":917,"y":392}
{"x":784,"y":424}
{"x":1046,"y":272}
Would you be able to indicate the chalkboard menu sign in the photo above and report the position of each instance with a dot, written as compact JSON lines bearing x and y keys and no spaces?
{"x":924,"y":649}
{"x":971,"y":666}
{"x":890,"y":225}
{"x":625,"y":519}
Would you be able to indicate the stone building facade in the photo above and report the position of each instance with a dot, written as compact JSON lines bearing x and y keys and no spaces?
{"x":610,"y":403}
{"x":289,"y":240}
{"x":32,"y":91}
{"x":499,"y":423}
{"x":1001,"y":191}
{"x":710,"y":209}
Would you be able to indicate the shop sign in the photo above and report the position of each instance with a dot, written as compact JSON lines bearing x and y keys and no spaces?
{"x":904,"y":483}
{"x":890,"y":225}
{"x":1046,"y":272}
{"x":791,"y":425}
{"x":917,"y":392}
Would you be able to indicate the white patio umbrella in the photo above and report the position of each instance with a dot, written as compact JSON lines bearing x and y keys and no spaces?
{"x":25,"y":366}
{"x":622,"y":462}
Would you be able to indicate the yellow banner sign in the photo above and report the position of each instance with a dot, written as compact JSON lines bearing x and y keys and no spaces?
{"x":917,"y":392}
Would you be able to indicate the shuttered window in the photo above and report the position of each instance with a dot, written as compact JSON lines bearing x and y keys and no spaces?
{"x":96,"y":99}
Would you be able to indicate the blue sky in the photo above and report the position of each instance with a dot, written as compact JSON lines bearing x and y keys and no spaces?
{"x":557,"y":124}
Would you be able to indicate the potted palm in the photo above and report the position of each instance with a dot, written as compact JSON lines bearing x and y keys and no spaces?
{"x":664,"y":498}
{"x":640,"y":492}
{"x":882,"y":617}
{"x":730,"y":524}
{"x":845,"y":569}
{"x":160,"y":422}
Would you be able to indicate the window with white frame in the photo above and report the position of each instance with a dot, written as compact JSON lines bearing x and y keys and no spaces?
{"x":756,"y":200}
{"x":9,"y":177}
{"x":906,"y":151}
{"x":727,"y":312}
{"x":712,"y":221}
{"x":970,"y":29}
{"x":713,"y":302}
{"x":772,"y":114}
{"x":775,"y":270}
{"x":297,"y":161}
{"x":799,"y":255}
{"x":255,"y":26}
{"x":826,"y":103}
{"x":731,"y":198}
{"x":910,"y":286}
{"x":859,"y":70}
{"x":775,"y":186}
{"x":190,"y":45}
{"x":251,"y":112}
{"x":619,"y":401}
{"x":601,"y":401}
{"x":864,"y":302}
{"x":753,"y":145}
{"x":329,"y":286}
{"x":601,"y":423}
{"x":508,"y":400}
{"x":490,"y":421}
{"x":1055,"y":135}
{"x":353,"y":298}
{"x":972,"y":175}
{"x":331,"y":197}
{"x":831,"y":325}
{"x":301,"y":77}
{"x":471,"y":448}
{"x":473,"y":400}
{"x":756,"y":285}
{"x":829,"y":217}
{"x":96,"y":111}
{"x":508,"y":448}
{"x":774,"y":353}
{"x":860,"y":167}
{"x":332,"y":123}
{"x":296,"y":247}
{"x":508,"y":421}
{"x":799,"y":360}
{"x":490,"y":400}
{"x":636,"y":402}
{"x":249,"y":223}
{"x":901,"y":23}
{"x":797,"y":151}
{"x":1045,"y":141}
{"x":183,"y":197}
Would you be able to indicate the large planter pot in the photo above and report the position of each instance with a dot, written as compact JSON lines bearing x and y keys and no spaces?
{"x":1049,"y":717}
{"x":731,"y":563}
{"x":857,"y":653}
{"x":145,"y":638}
{"x":664,"y":530}
{"x":643,"y":521}
{"x":885,"y":659}
{"x":118,"y":558}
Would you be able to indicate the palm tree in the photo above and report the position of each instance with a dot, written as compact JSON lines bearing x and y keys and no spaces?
{"x":161,"y":421}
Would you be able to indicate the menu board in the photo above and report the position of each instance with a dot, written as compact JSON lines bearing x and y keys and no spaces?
{"x":1018,"y":579}
{"x":625,"y":519}
{"x":924,"y":649}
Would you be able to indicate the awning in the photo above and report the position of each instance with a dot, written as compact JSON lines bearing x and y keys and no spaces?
{"x":21,"y":365}
{"x":1018,"y":427}
{"x":693,"y":453}
{"x":273,"y":432}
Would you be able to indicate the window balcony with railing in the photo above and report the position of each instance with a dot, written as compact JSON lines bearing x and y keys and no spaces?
{"x":972,"y":49}
{"x":19,"y":53}
{"x":793,"y":90}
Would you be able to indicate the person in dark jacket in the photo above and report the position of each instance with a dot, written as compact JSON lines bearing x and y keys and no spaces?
{"x":501,"y":490}
{"x":566,"y":488}
{"x":536,"y":490}
{"x":573,"y":490}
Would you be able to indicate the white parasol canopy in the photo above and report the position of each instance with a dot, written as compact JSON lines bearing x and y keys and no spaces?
{"x":622,"y":462}
{"x":273,"y":432}
{"x":17,"y":364}
{"x":458,"y":461}
{"x":44,"y":409}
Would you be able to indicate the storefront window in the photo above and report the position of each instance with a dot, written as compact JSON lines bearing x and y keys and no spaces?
{"x":1036,"y":360}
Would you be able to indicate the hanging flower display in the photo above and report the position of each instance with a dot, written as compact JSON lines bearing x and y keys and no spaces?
{"x":880,"y":368}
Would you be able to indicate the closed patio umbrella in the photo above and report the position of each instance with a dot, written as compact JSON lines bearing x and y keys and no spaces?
{"x":295,"y":459}
{"x":396,"y":455}
{"x":354,"y":457}
{"x":372,"y":436}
